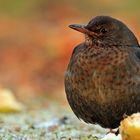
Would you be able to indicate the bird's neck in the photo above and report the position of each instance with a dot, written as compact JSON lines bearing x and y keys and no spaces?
{"x":108,"y":43}
{"x":89,"y":41}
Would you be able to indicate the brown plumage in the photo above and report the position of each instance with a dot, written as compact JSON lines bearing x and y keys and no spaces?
{"x":102,"y":81}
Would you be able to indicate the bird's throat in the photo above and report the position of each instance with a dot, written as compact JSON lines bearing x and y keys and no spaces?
{"x":91,"y":41}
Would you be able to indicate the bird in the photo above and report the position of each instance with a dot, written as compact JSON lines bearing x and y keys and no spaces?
{"x":102,"y":79}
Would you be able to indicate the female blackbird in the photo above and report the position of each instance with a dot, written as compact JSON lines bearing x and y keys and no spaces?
{"x":102,"y":81}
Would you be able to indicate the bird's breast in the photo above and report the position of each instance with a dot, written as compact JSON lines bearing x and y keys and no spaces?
{"x":99,"y":73}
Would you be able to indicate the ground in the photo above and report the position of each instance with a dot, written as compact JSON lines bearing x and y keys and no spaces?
{"x":50,"y":121}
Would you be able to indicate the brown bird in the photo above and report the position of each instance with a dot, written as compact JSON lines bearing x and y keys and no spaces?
{"x":102,"y":81}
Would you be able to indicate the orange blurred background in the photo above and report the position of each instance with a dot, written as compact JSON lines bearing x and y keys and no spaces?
{"x":36,"y":43}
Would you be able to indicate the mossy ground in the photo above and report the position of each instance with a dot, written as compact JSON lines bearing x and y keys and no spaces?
{"x":53,"y":121}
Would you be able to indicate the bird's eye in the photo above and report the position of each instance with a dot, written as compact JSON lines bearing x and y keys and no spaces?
{"x":103,"y":30}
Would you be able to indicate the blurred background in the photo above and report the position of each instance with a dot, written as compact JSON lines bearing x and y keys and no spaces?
{"x":36,"y":43}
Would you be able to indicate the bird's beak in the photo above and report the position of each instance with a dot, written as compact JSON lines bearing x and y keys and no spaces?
{"x":81,"y":28}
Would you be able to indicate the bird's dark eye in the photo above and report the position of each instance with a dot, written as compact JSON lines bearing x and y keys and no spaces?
{"x":103,"y":30}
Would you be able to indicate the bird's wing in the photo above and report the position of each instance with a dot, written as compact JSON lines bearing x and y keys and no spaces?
{"x":134,"y":57}
{"x":136,"y":51}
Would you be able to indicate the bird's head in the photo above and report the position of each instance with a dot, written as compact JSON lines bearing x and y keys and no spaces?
{"x":106,"y":31}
